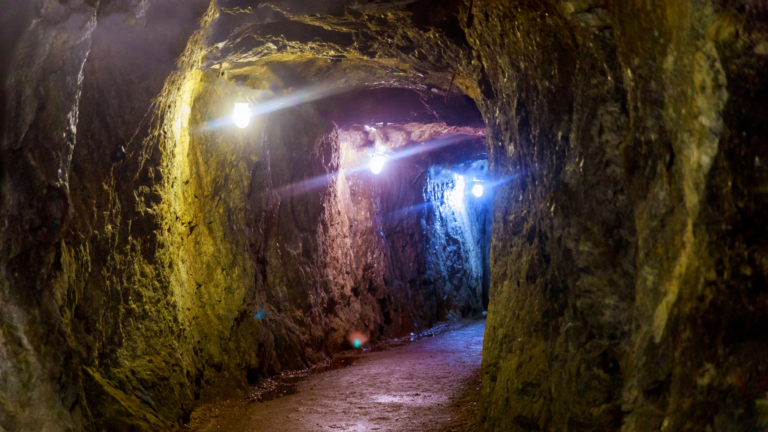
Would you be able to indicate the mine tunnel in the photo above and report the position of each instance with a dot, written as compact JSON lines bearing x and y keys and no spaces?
{"x":403,"y":215}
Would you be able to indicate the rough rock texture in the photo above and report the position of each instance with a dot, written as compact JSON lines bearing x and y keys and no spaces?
{"x":458,"y":234}
{"x":151,"y":259}
{"x":628,"y":260}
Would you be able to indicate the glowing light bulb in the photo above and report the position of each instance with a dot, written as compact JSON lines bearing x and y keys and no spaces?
{"x":377,"y":163}
{"x":242,"y":114}
{"x":477,"y":190}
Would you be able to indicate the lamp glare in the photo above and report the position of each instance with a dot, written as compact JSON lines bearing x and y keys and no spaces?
{"x":242,"y":114}
{"x":477,"y":190}
{"x":377,"y":163}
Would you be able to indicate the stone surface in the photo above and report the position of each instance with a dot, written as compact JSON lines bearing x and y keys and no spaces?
{"x":622,"y":260}
{"x":151,"y":258}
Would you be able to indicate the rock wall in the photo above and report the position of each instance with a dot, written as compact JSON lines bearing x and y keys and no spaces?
{"x":151,"y":259}
{"x":458,"y":236}
{"x":628,"y":263}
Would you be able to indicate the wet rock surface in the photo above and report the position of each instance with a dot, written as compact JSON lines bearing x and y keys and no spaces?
{"x":426,"y":385}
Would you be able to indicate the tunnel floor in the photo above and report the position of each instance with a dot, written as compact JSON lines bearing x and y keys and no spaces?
{"x":428,"y":385}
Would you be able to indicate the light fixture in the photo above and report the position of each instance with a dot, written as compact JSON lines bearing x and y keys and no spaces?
{"x":459,"y":188}
{"x":242,"y":113}
{"x":477,"y":190}
{"x":455,"y":196}
{"x":377,"y":163}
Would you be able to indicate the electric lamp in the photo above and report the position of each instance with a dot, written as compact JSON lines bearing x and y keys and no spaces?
{"x":242,"y":113}
{"x":477,"y":190}
{"x":377,"y":163}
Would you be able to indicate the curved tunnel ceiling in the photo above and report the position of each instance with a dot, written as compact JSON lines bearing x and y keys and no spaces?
{"x":387,"y":48}
{"x":354,"y":66}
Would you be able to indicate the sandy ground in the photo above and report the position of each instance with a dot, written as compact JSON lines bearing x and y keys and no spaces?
{"x":430,"y":384}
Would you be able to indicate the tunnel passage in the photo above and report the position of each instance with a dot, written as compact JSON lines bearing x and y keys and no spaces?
{"x":153,"y":256}
{"x":342,"y":256}
{"x":265,"y":248}
{"x":341,"y":250}
{"x":447,"y":164}
{"x":190,"y":258}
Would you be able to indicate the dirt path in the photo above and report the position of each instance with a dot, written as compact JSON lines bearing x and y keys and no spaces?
{"x":427,"y":385}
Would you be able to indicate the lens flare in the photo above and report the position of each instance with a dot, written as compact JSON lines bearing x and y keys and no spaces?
{"x":242,"y":114}
{"x":357,"y":339}
{"x":377,"y":163}
{"x":477,"y":190}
